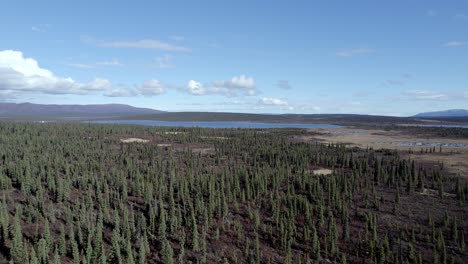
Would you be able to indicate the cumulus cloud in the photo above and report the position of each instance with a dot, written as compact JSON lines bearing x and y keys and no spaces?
{"x":152,"y":88}
{"x":20,"y":74}
{"x":196,"y":88}
{"x":454,"y":44}
{"x":149,"y":88}
{"x":237,"y":82}
{"x":353,"y":52}
{"x":236,"y":86}
{"x":273,"y":101}
{"x":283,"y":84}
{"x":98,"y":85}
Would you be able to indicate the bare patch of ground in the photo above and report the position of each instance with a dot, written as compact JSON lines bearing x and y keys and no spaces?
{"x":133,"y":140}
{"x":203,"y":151}
{"x":221,"y":138}
{"x":435,"y":193}
{"x":455,"y":159}
{"x":322,"y":172}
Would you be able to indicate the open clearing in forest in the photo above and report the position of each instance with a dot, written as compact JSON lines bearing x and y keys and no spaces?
{"x":220,"y":138}
{"x":322,"y":172}
{"x":453,"y":158}
{"x":133,"y":140}
{"x":203,"y":151}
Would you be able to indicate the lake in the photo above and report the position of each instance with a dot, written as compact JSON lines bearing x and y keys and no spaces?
{"x":423,"y":144}
{"x":214,"y":124}
{"x":447,"y":126}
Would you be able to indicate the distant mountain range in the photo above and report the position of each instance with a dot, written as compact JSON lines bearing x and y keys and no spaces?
{"x":53,"y":112}
{"x":447,"y":113}
{"x":101,"y":110}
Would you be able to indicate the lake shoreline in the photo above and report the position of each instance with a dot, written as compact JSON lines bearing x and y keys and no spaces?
{"x":216,"y":124}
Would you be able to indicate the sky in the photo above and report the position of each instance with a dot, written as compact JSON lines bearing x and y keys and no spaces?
{"x":356,"y":57}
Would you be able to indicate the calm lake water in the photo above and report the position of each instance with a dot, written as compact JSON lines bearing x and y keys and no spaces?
{"x":226,"y":124}
{"x":457,"y":126}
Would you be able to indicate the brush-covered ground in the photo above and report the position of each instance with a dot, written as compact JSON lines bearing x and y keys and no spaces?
{"x":81,"y":193}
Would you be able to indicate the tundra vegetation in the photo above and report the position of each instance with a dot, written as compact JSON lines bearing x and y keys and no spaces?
{"x":74,"y":193}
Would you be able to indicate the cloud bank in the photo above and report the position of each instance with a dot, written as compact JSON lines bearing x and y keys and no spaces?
{"x":20,"y":74}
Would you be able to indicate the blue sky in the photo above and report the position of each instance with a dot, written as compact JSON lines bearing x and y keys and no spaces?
{"x":366,"y":57}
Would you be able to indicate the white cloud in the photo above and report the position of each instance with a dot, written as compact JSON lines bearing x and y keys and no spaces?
{"x":80,"y":65}
{"x":41,"y":28}
{"x":425,"y":95}
{"x":28,"y":67}
{"x":98,"y":85}
{"x":273,"y":101}
{"x":195,"y":88}
{"x":237,"y":82}
{"x":236,"y":86}
{"x":283,"y":84}
{"x":149,"y":88}
{"x":144,"y":44}
{"x":20,"y":74}
{"x":152,"y":88}
{"x":454,"y":44}
{"x":110,"y":63}
{"x":353,"y":52}
{"x":121,"y":93}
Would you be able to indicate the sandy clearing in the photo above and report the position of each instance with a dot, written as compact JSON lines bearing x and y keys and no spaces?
{"x":134,"y":140}
{"x":322,"y":172}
